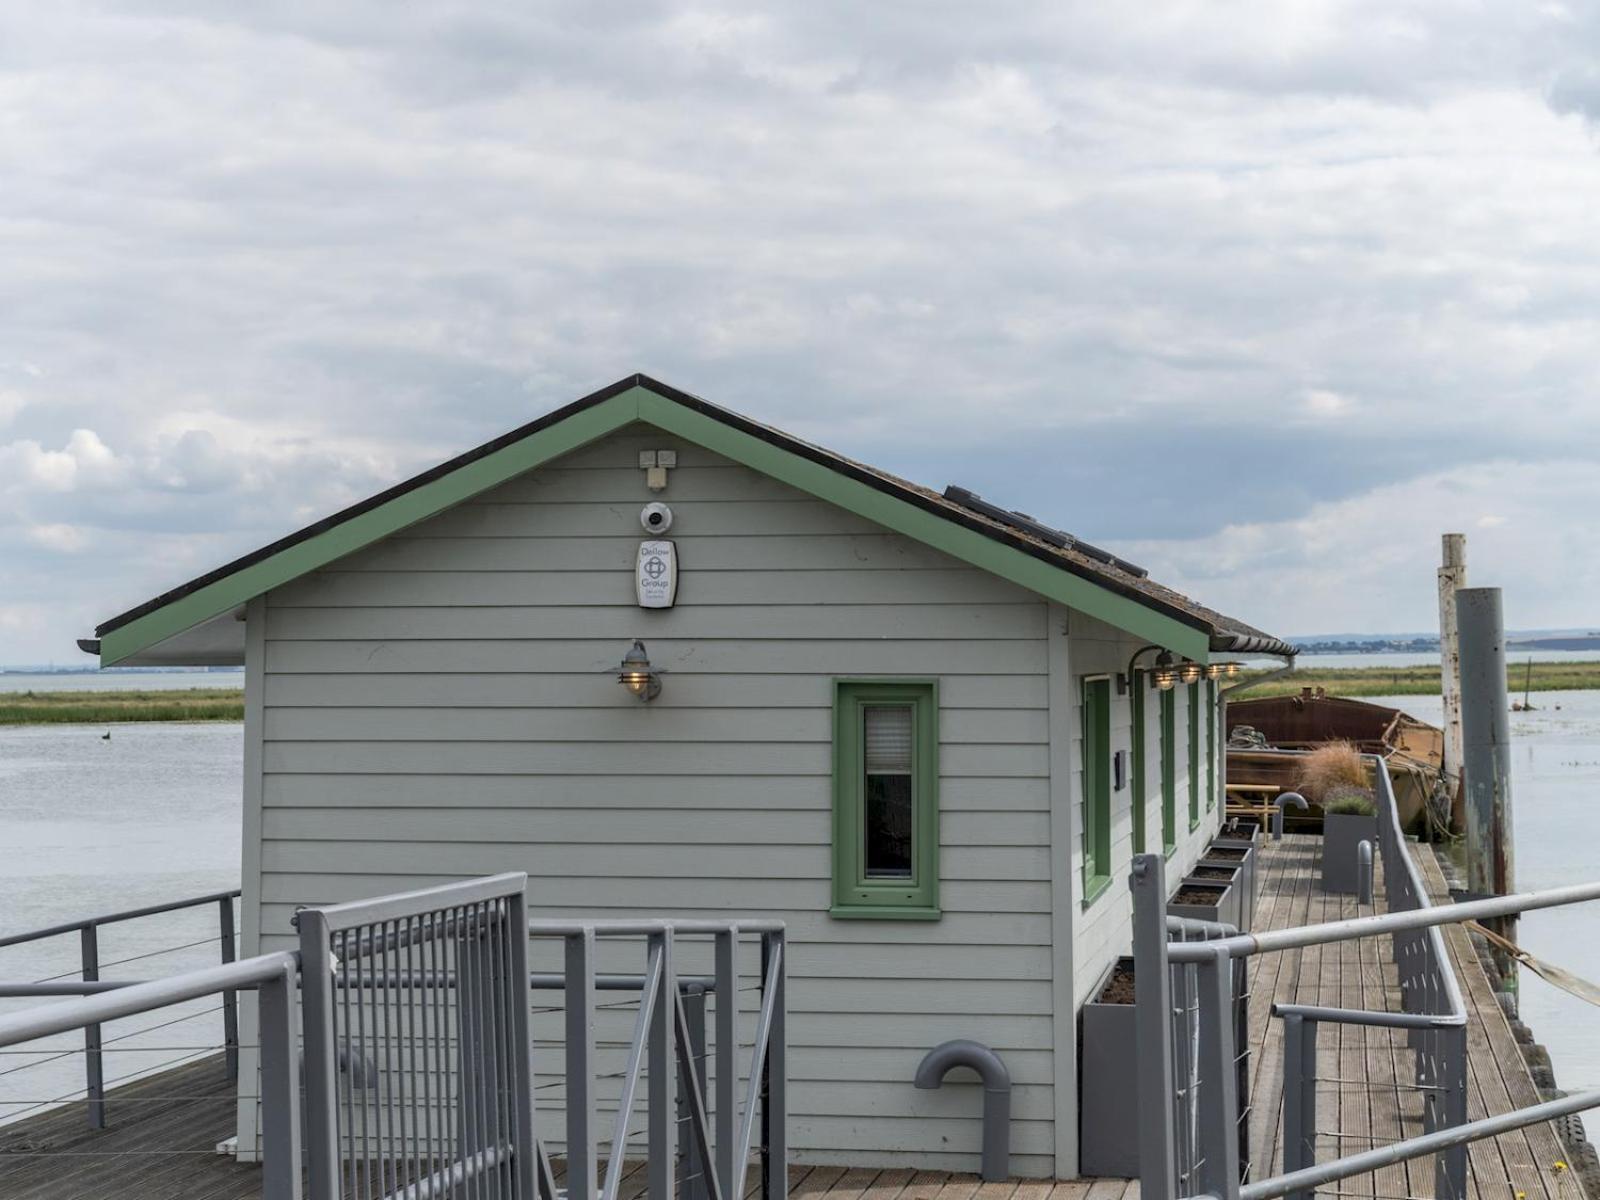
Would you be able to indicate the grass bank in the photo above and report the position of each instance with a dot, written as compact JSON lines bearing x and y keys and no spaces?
{"x":104,"y":708}
{"x":1422,"y":681}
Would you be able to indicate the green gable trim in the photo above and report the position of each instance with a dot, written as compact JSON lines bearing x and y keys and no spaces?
{"x":360,"y":531}
{"x":587,"y":422}
{"x":903,"y":517}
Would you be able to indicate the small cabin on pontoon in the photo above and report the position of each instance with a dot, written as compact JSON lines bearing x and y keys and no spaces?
{"x":668,"y":660}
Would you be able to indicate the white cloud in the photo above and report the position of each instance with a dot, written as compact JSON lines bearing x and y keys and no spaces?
{"x":64,"y":539}
{"x":1367,"y":563}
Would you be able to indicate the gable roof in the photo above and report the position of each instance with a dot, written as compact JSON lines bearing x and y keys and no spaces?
{"x":1106,"y":590}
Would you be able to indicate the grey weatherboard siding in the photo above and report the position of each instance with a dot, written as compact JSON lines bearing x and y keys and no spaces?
{"x":443,"y":703}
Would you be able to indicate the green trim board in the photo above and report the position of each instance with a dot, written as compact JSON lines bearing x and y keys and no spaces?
{"x":582,"y":423}
{"x":363,"y":529}
{"x":1136,"y":757}
{"x":857,"y":893}
{"x":1052,"y":582}
{"x":1169,"y":771}
{"x":1192,"y":705}
{"x":1211,"y":745}
{"x":1096,"y":707}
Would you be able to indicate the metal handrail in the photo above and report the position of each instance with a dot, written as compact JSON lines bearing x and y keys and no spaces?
{"x":129,"y":914}
{"x":45,"y":1020}
{"x":88,"y":931}
{"x":273,"y":976}
{"x":1428,"y":1143}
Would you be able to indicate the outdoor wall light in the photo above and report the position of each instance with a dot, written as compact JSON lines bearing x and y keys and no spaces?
{"x":636,"y":674}
{"x":1162,"y":673}
{"x":1190,"y":672}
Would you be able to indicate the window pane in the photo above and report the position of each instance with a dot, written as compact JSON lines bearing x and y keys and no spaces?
{"x":888,"y":738}
{"x":888,"y":817}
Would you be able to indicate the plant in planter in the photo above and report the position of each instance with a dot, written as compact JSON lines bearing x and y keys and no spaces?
{"x":1349,"y":817}
{"x":1241,"y":852}
{"x":1108,"y":1101}
{"x":1217,"y":870}
{"x":1203,"y":901}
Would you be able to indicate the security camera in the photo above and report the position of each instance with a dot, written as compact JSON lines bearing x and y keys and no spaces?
{"x":656,"y":518}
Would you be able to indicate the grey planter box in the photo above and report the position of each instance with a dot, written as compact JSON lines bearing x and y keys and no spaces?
{"x":1108,"y":1097}
{"x":1341,"y":834}
{"x":1241,"y":910}
{"x":1248,"y":862}
{"x":1218,"y":911}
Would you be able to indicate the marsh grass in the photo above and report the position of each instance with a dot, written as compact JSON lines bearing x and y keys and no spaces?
{"x":1420,"y":681}
{"x":104,"y":708}
{"x":1331,"y":770}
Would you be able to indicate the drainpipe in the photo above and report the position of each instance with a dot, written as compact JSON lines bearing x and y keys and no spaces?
{"x":1288,"y":665}
{"x":963,"y":1052}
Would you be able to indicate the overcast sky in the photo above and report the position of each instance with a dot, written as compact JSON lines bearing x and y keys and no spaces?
{"x":1265,"y":296}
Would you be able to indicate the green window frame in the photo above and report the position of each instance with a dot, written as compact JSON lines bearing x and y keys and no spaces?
{"x":1193,"y":704}
{"x":1137,"y":758}
{"x":880,"y":804}
{"x":1096,"y":706}
{"x":1211,"y":745}
{"x":1169,"y":771}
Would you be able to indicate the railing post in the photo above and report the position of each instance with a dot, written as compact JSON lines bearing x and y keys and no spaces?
{"x":1450,"y":1166}
{"x":775,"y":1080}
{"x":1299,"y":1096}
{"x":582,"y":1155}
{"x":524,"y":1134}
{"x":1152,"y":1017}
{"x":691,"y":1171}
{"x":660,"y":1116}
{"x":280,"y":1090}
{"x":230,"y":1000}
{"x":93,"y":1050}
{"x":729,"y":1170}
{"x":1219,"y":1113}
{"x":316,"y":1001}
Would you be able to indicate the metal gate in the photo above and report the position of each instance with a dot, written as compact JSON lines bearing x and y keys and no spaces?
{"x":417,"y":1073}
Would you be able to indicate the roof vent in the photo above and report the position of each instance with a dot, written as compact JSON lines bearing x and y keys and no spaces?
{"x":1028,"y":525}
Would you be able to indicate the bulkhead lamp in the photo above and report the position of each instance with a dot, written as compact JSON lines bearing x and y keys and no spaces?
{"x":636,"y":674}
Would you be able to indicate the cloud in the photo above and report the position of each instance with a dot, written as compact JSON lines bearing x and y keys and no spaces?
{"x":1152,"y":275}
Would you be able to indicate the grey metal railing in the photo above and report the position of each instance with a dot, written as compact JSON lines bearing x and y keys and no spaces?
{"x":721,"y":1131}
{"x":1433,"y":1014}
{"x":88,"y":930}
{"x":1203,"y":1159}
{"x":273,"y":977}
{"x":418,"y":1070}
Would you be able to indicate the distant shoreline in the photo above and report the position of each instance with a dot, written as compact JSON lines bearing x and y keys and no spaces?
{"x":1420,"y":680}
{"x":120,"y":707}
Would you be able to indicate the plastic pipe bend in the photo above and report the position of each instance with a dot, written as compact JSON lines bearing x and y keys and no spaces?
{"x":1286,"y":799}
{"x":963,"y":1052}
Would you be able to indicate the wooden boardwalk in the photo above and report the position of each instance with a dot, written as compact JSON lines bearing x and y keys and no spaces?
{"x":161,"y":1143}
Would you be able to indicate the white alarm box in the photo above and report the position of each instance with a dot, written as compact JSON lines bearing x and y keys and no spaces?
{"x":657,"y":575}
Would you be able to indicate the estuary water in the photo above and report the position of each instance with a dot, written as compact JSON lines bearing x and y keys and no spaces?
{"x":91,"y":825}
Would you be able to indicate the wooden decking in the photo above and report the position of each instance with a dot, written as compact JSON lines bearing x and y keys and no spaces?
{"x":164,"y":1130}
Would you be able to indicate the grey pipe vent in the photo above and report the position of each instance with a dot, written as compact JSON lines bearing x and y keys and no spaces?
{"x":963,"y":1052}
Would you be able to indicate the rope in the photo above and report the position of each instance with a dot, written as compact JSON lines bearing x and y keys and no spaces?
{"x":1559,"y":977}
